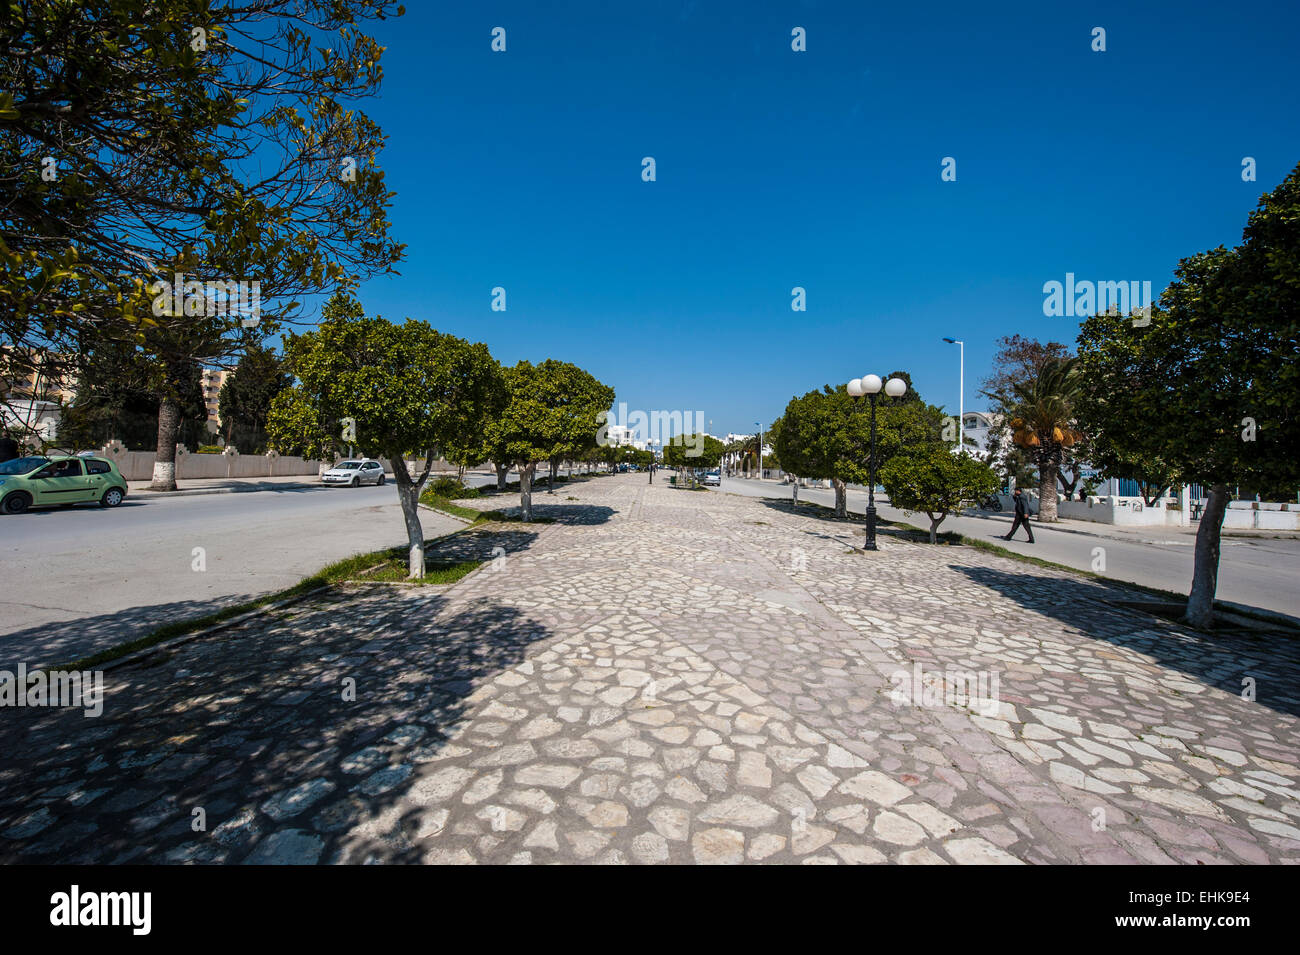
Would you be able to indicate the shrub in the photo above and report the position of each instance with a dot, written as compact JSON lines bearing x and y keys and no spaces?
{"x":448,"y":487}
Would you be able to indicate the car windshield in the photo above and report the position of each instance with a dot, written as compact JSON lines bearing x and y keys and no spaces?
{"x":22,"y":465}
{"x":347,"y":465}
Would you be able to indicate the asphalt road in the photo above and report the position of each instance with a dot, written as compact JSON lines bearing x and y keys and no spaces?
{"x":1263,"y":572}
{"x":78,"y":580}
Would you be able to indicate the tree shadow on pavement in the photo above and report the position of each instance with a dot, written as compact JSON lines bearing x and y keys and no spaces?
{"x":567,"y":513}
{"x":301,"y":735}
{"x":62,"y":641}
{"x":1220,"y":659}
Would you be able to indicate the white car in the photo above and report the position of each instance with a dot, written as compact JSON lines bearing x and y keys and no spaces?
{"x":712,"y":478}
{"x":354,"y":472}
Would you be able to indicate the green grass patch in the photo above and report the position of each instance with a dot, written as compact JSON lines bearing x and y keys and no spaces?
{"x":435,"y":572}
{"x":446,"y":505}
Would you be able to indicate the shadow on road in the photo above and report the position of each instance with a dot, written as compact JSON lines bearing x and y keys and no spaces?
{"x":1220,"y":659}
{"x":319,"y":717}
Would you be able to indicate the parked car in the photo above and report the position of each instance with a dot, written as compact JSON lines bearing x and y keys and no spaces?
{"x":40,"y":481}
{"x":712,"y":479}
{"x":354,"y":472}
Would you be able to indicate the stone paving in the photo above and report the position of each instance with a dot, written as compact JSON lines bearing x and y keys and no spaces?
{"x":686,"y":677}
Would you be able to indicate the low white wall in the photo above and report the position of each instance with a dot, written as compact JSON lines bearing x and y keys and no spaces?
{"x":138,"y":465}
{"x":1262,"y":516}
{"x":1121,"y":511}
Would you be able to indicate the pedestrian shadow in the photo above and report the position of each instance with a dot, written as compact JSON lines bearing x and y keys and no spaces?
{"x":301,"y":735}
{"x":1222,"y":659}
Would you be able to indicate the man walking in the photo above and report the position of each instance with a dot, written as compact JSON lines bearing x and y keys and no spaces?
{"x":1022,"y":517}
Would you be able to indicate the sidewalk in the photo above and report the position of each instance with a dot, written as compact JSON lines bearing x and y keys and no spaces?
{"x":751,"y":691}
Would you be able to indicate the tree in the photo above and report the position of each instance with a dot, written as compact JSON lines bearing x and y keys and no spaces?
{"x":117,"y":397}
{"x":246,"y":395}
{"x":389,"y":390}
{"x":825,"y":435}
{"x":553,"y":411}
{"x":692,"y":453}
{"x":1213,"y":379}
{"x":1042,"y":421}
{"x":936,"y":482}
{"x":195,"y":147}
{"x":1020,"y":360}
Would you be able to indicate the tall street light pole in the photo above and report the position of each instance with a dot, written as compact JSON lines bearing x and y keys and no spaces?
{"x":870,"y":386}
{"x":760,"y":449}
{"x":961,"y":396}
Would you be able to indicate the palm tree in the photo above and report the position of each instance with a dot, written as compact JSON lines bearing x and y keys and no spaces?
{"x":1042,"y":422}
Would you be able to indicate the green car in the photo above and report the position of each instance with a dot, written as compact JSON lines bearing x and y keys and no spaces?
{"x":62,"y":481}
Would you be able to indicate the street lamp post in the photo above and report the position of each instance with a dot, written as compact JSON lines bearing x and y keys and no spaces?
{"x":760,"y":449}
{"x":870,"y":386}
{"x":961,"y":395}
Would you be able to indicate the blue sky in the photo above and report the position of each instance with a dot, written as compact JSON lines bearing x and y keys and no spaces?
{"x":818,"y":169}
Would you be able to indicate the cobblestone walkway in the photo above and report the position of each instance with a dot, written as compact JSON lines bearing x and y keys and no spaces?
{"x":673,"y":676}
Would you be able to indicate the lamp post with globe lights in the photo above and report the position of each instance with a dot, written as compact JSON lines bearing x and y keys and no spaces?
{"x":870,"y":386}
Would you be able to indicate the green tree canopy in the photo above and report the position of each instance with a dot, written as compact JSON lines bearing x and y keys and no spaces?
{"x":245,"y":398}
{"x":552,"y":414}
{"x":826,"y":435}
{"x":389,"y":390}
{"x":217,"y":141}
{"x":694,"y":451}
{"x":936,"y":481}
{"x":1209,"y":387}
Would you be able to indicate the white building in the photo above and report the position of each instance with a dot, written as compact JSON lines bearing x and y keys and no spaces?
{"x":34,"y":418}
{"x":976,"y":426}
{"x":619,"y":436}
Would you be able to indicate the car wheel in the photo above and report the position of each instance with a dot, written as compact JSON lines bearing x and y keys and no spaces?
{"x":380,"y":482}
{"x":112,"y":497}
{"x":355,"y":482}
{"x":16,"y":502}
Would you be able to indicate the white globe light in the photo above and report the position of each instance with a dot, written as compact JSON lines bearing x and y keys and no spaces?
{"x":895,"y":387}
{"x":855,"y":388}
{"x":871,"y":384}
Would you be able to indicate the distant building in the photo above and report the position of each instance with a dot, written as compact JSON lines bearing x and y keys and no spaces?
{"x":34,"y":386}
{"x":976,"y":426}
{"x":31,"y":374}
{"x":213,"y":379}
{"x":619,"y":436}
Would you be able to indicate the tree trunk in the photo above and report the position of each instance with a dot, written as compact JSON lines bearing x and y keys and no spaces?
{"x":408,"y":495}
{"x":164,"y":462}
{"x":934,"y":527}
{"x":503,"y":471}
{"x":526,"y":490}
{"x":1047,"y":493}
{"x":550,"y":478}
{"x":460,"y":474}
{"x":1205,"y":571}
{"x":1067,"y":487}
{"x":841,"y":498}
{"x":794,"y":488}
